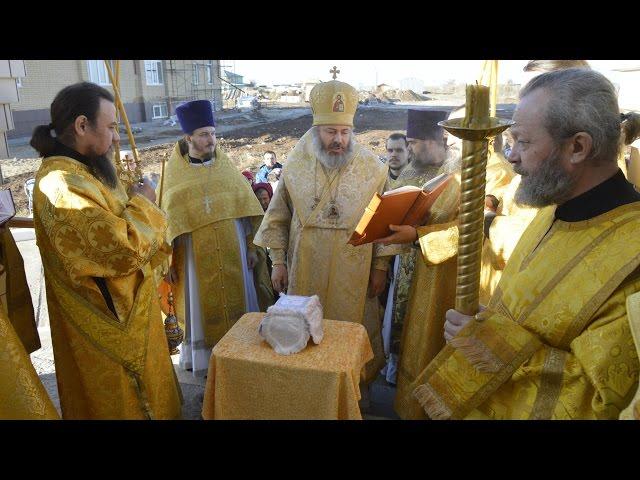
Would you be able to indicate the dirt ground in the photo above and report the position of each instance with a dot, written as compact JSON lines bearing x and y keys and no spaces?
{"x":246,"y":146}
{"x":244,"y":136}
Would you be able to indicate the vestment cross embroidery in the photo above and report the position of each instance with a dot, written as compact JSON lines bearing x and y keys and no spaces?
{"x":207,"y":204}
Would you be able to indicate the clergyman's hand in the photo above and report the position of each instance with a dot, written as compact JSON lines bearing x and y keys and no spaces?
{"x":403,"y":234}
{"x":456,"y":321}
{"x":146,"y":189}
{"x":377,"y":282}
{"x":279,"y":278}
{"x":252,"y":259}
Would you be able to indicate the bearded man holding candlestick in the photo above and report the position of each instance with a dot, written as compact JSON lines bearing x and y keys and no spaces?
{"x":554,"y":341}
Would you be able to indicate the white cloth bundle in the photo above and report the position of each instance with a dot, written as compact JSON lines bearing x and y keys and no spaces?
{"x":289,"y":323}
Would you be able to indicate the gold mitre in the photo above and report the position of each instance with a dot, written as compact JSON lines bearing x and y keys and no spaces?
{"x":333,"y":103}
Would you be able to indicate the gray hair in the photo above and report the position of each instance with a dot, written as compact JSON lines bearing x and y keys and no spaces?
{"x":553,"y":65}
{"x":581,"y":101}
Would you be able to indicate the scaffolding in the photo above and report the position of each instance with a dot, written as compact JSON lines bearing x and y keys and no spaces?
{"x":229,"y":91}
{"x":188,"y":80}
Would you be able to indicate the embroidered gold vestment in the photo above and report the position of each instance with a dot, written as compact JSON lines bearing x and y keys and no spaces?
{"x":14,"y":292}
{"x":505,"y":232}
{"x":632,"y":412}
{"x":313,"y":241}
{"x":108,"y":365}
{"x":432,"y":290}
{"x":554,"y":342}
{"x":22,"y":395}
{"x":205,"y":201}
{"x":431,"y":294}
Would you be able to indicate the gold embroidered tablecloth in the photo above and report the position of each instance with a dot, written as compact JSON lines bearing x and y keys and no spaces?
{"x":248,"y":380}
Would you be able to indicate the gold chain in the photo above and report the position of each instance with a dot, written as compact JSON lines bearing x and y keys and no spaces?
{"x":328,"y":183}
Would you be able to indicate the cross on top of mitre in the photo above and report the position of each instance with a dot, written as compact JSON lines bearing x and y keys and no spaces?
{"x":334,"y":71}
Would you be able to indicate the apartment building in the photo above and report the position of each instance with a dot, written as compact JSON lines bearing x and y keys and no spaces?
{"x":150,"y":89}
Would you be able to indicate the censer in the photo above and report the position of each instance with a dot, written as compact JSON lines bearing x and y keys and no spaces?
{"x":175,"y":334}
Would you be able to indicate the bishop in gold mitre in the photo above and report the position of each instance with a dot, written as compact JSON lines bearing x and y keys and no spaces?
{"x":325,"y":187}
{"x":212,"y":215}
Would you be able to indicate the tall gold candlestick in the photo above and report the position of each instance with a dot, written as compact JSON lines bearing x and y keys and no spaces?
{"x":475,"y":129}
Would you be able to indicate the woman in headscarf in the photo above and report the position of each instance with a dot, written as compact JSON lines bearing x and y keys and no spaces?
{"x":262,"y":279}
{"x":264,"y":192}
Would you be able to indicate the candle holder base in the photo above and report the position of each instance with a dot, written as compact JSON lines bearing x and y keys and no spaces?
{"x":476,"y":134}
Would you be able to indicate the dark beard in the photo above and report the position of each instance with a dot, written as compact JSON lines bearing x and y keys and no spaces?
{"x":103,"y":168}
{"x":207,"y":156}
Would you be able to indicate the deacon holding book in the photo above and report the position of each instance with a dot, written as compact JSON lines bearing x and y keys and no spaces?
{"x":326,"y":186}
{"x":426,"y":143}
{"x":212,"y":214}
{"x":426,"y":272}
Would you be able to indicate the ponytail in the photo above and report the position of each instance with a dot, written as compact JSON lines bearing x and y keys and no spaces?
{"x":42,"y":141}
{"x":78,"y":99}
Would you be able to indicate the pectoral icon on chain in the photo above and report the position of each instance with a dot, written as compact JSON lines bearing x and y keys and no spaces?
{"x":332,"y":212}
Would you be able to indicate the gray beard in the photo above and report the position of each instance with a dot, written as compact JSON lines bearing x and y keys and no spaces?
{"x":549,"y":185}
{"x":331,"y":161}
{"x":453,"y":161}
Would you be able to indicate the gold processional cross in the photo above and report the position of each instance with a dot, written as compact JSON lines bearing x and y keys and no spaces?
{"x":335,"y":72}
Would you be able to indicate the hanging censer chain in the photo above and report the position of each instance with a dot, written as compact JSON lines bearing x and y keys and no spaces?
{"x":316,"y":198}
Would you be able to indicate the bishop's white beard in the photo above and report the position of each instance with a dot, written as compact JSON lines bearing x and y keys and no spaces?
{"x":326,"y":159}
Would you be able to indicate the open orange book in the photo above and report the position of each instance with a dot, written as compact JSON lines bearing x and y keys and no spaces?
{"x":403,"y":206}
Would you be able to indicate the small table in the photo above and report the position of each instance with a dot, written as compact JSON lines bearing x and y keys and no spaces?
{"x":248,"y":380}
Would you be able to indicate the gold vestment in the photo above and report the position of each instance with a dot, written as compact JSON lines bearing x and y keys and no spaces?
{"x":112,"y":361}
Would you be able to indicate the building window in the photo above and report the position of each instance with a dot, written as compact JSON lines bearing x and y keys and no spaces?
{"x":19,"y":82}
{"x":209,"y":73}
{"x":196,"y":80}
{"x":160,"y":110}
{"x":153,"y":69}
{"x":98,"y":72}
